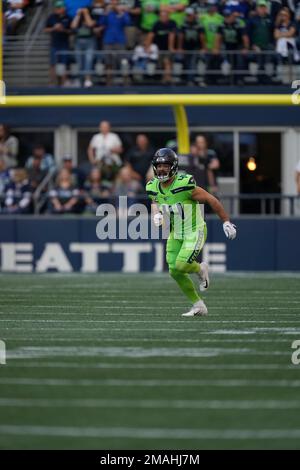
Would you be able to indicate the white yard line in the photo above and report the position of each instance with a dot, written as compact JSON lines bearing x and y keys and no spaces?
{"x":158,"y":366}
{"x":151,"y":382}
{"x":159,"y":340}
{"x":94,"y":329}
{"x":137,"y":314}
{"x":179,"y":304}
{"x":150,"y":433}
{"x":173,"y":404}
{"x":28,"y":320}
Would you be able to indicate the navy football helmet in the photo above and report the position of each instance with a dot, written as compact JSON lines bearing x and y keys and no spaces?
{"x":168,"y":157}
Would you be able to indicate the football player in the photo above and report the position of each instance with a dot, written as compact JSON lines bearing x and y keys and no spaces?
{"x":177,"y":197}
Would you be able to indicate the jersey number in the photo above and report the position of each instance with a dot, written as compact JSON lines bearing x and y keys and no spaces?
{"x":175,"y":209}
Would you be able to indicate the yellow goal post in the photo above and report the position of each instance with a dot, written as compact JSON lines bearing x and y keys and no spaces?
{"x":176,"y":101}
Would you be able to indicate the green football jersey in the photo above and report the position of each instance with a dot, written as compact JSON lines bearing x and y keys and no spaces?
{"x":176,"y":202}
{"x":210,"y":25}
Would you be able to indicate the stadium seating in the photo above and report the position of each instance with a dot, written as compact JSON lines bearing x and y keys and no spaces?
{"x":213,"y":43}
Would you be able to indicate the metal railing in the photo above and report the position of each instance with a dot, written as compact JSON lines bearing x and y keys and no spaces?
{"x":231,"y":65}
{"x":37,"y":24}
{"x":196,"y":66}
{"x":266,"y":204}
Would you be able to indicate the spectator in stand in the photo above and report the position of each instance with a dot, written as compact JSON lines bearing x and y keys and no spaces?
{"x":176,"y":10}
{"x":18,"y":195}
{"x":72,"y":6}
{"x":104,"y":151}
{"x":276,"y":5}
{"x":35,"y":173}
{"x":232,"y":36}
{"x":9,"y":147}
{"x":85,"y":44}
{"x":4,"y":180}
{"x":240,"y":8}
{"x":285,"y":33}
{"x":47,"y":161}
{"x":97,"y":191}
{"x":189,"y":41}
{"x":163,"y":34}
{"x":126,"y":186}
{"x":133,"y":32}
{"x":199,"y":7}
{"x":77,"y":175}
{"x":209,"y":158}
{"x":150,"y":14}
{"x":113,"y":25}
{"x":210,"y":23}
{"x":97,"y":12}
{"x":14,"y":14}
{"x":196,"y":167}
{"x":144,"y":59}
{"x":64,"y":198}
{"x":138,"y":159}
{"x":260,"y":31}
{"x":58,"y":25}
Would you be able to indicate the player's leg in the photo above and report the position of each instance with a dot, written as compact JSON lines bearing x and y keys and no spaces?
{"x":183,"y":280}
{"x":186,"y":259}
{"x":186,"y":264}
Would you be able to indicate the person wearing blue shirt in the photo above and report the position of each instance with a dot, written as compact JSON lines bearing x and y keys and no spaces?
{"x":73,"y":5}
{"x":113,"y":24}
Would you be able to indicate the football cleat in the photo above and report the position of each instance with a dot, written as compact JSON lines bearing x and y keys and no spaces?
{"x":198,"y":309}
{"x":204,"y":277}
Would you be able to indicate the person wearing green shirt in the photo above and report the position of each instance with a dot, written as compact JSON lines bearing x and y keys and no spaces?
{"x":176,"y":9}
{"x":150,"y":12}
{"x":177,"y":197}
{"x":210,"y":22}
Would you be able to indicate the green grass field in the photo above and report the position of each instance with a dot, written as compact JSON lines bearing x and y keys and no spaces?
{"x":107,"y":361}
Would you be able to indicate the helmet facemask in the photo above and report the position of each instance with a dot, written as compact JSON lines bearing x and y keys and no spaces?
{"x":173,"y":168}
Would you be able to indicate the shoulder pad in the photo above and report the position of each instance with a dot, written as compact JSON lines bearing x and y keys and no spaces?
{"x":189,"y":179}
{"x":151,"y":188}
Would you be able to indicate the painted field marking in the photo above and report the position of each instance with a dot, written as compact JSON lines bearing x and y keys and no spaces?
{"x":150,"y":382}
{"x":173,"y":404}
{"x":150,"y":433}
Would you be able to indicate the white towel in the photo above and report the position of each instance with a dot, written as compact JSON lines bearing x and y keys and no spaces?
{"x":283,"y":50}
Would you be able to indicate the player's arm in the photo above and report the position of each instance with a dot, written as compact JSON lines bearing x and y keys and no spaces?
{"x":156,"y":214}
{"x":203,"y":197}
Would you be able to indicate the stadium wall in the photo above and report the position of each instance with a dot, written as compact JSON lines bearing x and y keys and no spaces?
{"x":68,"y":245}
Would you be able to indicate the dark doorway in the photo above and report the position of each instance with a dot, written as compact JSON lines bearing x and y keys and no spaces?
{"x":265,"y":151}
